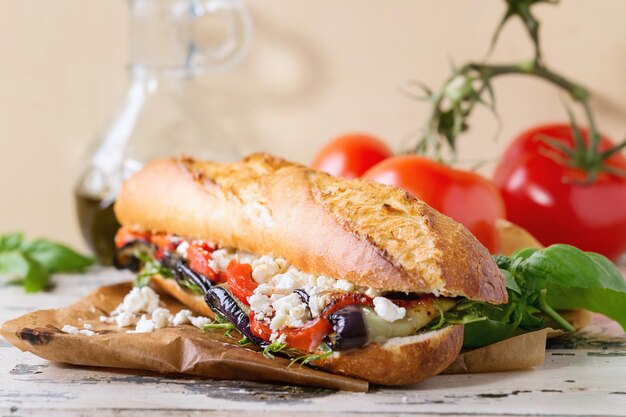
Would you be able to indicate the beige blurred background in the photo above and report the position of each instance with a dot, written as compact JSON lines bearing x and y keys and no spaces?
{"x":316,"y":69}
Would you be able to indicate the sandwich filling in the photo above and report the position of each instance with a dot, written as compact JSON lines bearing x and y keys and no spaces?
{"x":273,"y":302}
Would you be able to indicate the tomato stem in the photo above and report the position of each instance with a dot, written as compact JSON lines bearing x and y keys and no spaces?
{"x":471,"y":85}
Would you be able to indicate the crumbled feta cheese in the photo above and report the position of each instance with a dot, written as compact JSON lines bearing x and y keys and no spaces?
{"x":261,"y":305}
{"x":161,"y":317}
{"x":87,"y":326}
{"x":133,"y":301}
{"x":325,"y":283}
{"x":344,"y":285}
{"x":274,"y":337}
{"x":287,"y":281}
{"x":151,"y":298}
{"x":125,"y":319}
{"x":182,"y":248}
{"x":371,"y":292}
{"x":145,"y":325}
{"x":182,"y":317}
{"x":279,"y":320}
{"x":317,"y":304}
{"x":265,"y":289}
{"x":266,"y":267}
{"x":199,"y":321}
{"x":290,"y":311}
{"x":221,"y":259}
{"x":245,"y":257}
{"x":74,"y":330}
{"x":140,"y":299}
{"x":387,"y":310}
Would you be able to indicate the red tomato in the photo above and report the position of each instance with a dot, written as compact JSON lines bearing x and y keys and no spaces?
{"x":465,"y":196}
{"x":199,"y":255}
{"x":349,"y":156}
{"x":551,"y":200}
{"x":240,"y":282}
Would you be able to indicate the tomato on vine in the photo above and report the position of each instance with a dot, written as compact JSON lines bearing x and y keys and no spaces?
{"x":563,"y":188}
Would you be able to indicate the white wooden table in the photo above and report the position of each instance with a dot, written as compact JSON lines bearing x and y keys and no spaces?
{"x":583,"y":375}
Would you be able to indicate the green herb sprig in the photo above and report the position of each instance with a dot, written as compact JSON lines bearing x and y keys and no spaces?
{"x":325,"y":350}
{"x":150,"y":266}
{"x":31,"y":263}
{"x":273,"y":348}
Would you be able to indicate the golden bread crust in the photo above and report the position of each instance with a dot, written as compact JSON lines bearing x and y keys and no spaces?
{"x":401,"y":360}
{"x":371,"y":234}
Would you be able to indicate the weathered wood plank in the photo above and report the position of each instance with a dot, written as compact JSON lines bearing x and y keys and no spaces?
{"x":580,"y":377}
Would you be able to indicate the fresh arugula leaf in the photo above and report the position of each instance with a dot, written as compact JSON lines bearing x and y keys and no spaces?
{"x":486,"y":332}
{"x":244,"y":341}
{"x":56,"y":257}
{"x":151,"y":266}
{"x":325,"y":350}
{"x":272,"y":348}
{"x":227,"y":326}
{"x":10,"y":241}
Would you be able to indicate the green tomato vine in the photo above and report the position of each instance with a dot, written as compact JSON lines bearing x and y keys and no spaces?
{"x":471,"y":85}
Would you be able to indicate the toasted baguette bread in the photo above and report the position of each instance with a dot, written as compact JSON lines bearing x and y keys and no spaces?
{"x":368,"y":233}
{"x":398,"y":361}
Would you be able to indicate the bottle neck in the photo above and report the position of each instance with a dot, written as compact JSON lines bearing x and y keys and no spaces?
{"x":160,"y":36}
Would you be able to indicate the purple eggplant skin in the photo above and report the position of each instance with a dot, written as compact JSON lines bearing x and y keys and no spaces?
{"x":222,"y":303}
{"x":182,"y":272}
{"x":349,"y":326}
{"x":125,"y":257}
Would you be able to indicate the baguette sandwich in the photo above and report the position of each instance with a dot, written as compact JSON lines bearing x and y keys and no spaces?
{"x":348,"y":274}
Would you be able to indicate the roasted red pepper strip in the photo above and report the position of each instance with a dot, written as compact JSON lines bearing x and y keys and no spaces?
{"x":125,"y":235}
{"x":424,"y":299}
{"x":240,"y":282}
{"x":165,"y":243}
{"x":308,"y":337}
{"x":199,"y":255}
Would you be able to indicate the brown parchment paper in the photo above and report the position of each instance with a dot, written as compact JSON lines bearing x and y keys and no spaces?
{"x":188,"y":350}
{"x":182,"y":349}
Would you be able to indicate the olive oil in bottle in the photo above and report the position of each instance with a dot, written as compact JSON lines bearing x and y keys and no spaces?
{"x":98,"y":225}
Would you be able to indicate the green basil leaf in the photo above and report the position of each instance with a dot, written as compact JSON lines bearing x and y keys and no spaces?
{"x":568,"y":267}
{"x":485,"y":332}
{"x":577,"y":279}
{"x":56,"y":257}
{"x":24,"y":270}
{"x":13,"y":264}
{"x":10,"y":241}
{"x":524,"y":253}
{"x":37,"y":277}
{"x":605,"y":301}
{"x":510,"y":282}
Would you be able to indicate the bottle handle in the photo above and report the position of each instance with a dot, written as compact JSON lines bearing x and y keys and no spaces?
{"x":230,"y":20}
